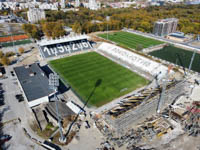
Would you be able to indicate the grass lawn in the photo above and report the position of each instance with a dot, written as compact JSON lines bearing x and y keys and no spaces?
{"x":130,"y":40}
{"x":82,"y":71}
{"x":169,"y":54}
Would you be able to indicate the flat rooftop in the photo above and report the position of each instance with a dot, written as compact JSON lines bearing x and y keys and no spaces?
{"x":33,"y":80}
{"x":167,"y":20}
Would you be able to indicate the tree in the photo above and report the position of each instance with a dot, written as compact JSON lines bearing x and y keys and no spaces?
{"x":1,"y":54}
{"x":32,"y":30}
{"x":139,"y":47}
{"x":9,"y":54}
{"x":5,"y":61}
{"x":77,"y":27}
{"x":53,"y":29}
{"x":21,"y":50}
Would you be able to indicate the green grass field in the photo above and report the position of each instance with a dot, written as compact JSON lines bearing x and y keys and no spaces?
{"x":169,"y":54}
{"x":130,"y":40}
{"x":82,"y":71}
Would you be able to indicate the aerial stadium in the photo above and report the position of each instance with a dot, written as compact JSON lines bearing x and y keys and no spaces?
{"x":131,"y":81}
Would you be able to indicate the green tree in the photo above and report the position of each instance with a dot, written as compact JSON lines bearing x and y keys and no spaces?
{"x":139,"y":47}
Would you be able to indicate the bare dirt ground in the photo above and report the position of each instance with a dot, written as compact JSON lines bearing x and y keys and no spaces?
{"x":195,"y":43}
{"x":30,"y":58}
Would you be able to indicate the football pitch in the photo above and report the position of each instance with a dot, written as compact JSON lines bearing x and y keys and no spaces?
{"x":130,"y":40}
{"x":170,"y":54}
{"x":84,"y":70}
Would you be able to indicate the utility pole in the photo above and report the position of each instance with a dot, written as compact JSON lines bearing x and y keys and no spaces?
{"x":53,"y":84}
{"x":107,"y":19}
{"x":12,"y":40}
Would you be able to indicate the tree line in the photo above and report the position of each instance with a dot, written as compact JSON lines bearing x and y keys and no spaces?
{"x":87,"y":21}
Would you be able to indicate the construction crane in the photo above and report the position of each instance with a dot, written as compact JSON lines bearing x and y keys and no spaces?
{"x":181,"y":63}
{"x":191,"y":61}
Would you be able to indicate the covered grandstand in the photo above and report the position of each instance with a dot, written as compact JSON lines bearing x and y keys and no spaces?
{"x":142,"y":63}
{"x":65,"y":45}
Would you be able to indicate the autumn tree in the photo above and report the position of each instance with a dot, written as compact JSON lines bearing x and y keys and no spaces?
{"x":32,"y":30}
{"x":77,"y":27}
{"x":1,"y":54}
{"x":21,"y":50}
{"x":5,"y":61}
{"x":53,"y":29}
{"x":9,"y":54}
{"x":138,"y":19}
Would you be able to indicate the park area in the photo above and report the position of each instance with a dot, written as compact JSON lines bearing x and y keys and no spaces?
{"x":130,"y":40}
{"x":170,"y":53}
{"x":84,"y":70}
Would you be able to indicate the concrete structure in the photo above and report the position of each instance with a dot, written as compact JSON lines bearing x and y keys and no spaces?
{"x":178,"y":37}
{"x":93,"y":5}
{"x":64,"y":45}
{"x":62,"y":4}
{"x":138,"y":61}
{"x":34,"y":84}
{"x":64,"y":112}
{"x":74,"y":107}
{"x":49,"y":6}
{"x":165,"y":26}
{"x":68,"y":29}
{"x":35,"y":15}
{"x":77,"y":3}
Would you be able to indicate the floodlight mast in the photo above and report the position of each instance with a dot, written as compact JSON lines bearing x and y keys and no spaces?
{"x":53,"y":84}
{"x":107,"y":19}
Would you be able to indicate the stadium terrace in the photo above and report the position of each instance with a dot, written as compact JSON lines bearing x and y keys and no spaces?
{"x":134,"y":59}
{"x":64,"y":45}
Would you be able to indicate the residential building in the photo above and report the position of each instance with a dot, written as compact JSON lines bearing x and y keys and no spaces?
{"x":62,"y":4}
{"x":93,"y":5}
{"x":165,"y":26}
{"x":77,"y":3}
{"x":35,"y":14}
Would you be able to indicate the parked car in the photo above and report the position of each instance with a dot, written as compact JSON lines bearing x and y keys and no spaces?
{"x":5,"y":138}
{"x":50,"y":146}
{"x":19,"y":97}
{"x":12,"y":73}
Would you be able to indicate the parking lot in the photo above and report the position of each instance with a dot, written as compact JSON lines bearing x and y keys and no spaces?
{"x":14,"y":107}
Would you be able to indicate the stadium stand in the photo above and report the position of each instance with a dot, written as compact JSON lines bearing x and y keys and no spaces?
{"x":64,"y":45}
{"x":141,"y":62}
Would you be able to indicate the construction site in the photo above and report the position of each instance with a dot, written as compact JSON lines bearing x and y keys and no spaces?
{"x":154,"y":117}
